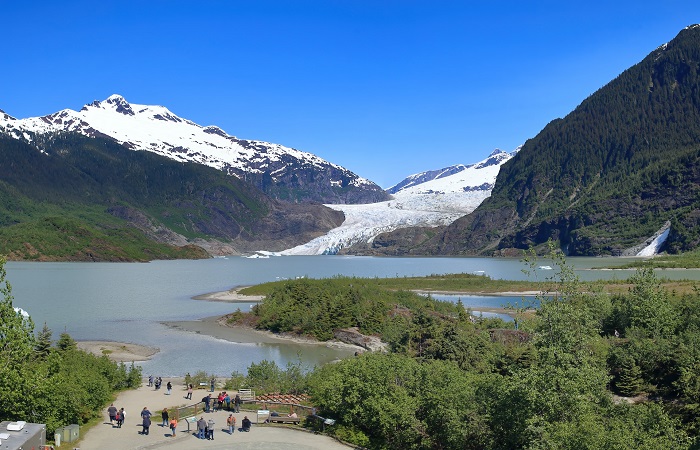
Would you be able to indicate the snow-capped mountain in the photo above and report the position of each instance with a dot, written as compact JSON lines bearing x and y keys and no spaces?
{"x":280,"y":171}
{"x":474,"y":172}
{"x":427,"y":199}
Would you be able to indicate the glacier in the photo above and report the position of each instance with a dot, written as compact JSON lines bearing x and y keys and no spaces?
{"x":428,"y":203}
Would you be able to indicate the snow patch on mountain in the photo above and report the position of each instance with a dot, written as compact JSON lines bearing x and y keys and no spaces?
{"x":428,"y":199}
{"x":156,"y":129}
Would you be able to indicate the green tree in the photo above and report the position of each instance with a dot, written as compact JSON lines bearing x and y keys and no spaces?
{"x":16,"y":347}
{"x":43,"y":342}
{"x":376,"y":395}
{"x":647,"y":308}
{"x":66,"y":342}
{"x":16,"y":330}
{"x":629,"y":381}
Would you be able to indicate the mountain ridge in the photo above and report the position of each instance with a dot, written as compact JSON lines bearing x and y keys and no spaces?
{"x":608,"y":175}
{"x":282,"y":172}
{"x":91,"y":199}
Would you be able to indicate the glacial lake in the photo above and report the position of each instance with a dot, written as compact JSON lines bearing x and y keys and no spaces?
{"x":128,"y":302}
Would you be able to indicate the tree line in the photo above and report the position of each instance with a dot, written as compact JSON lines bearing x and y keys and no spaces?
{"x":587,"y":370}
{"x":51,"y":383}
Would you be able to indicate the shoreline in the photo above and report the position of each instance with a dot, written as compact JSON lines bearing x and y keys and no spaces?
{"x":480,"y":293}
{"x":217,"y":327}
{"x":232,"y":295}
{"x":118,"y":351}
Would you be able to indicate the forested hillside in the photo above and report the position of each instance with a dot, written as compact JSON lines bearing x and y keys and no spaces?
{"x":608,"y":175}
{"x":92,"y":199}
{"x":587,"y":370}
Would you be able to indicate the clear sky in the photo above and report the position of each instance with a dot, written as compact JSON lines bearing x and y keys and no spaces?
{"x":385,"y":88}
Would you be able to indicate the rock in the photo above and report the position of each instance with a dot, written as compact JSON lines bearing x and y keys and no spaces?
{"x":353,"y":336}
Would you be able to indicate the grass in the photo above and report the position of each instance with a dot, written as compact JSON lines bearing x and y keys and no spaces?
{"x":689,"y":260}
{"x":479,"y":284}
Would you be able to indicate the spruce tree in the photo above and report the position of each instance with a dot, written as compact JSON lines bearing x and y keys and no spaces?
{"x":629,"y":382}
{"x":43,"y":342}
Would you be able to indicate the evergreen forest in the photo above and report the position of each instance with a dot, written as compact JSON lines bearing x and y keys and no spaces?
{"x":53,"y":383}
{"x":607,"y":176}
{"x":579,"y":368}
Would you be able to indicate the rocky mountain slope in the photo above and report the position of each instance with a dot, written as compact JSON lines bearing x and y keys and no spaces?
{"x":70,"y":197}
{"x":608,"y":176}
{"x":281,"y":172}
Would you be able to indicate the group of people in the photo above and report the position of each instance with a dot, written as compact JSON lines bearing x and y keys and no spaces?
{"x":205,"y":428}
{"x":217,"y":404}
{"x":155,"y":382}
{"x":158,"y":382}
{"x":116,"y":416}
{"x":167,"y":422}
{"x":146,"y":421}
{"x":231,"y":423}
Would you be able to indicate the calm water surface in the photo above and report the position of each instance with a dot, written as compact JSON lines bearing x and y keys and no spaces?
{"x":128,"y":301}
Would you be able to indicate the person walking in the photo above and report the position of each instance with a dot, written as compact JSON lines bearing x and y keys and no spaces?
{"x":231,"y":422}
{"x":210,"y":429}
{"x":201,"y":426}
{"x":112,"y":411}
{"x":150,"y":381}
{"x":212,"y":382}
{"x":189,"y":392}
{"x":173,"y":425}
{"x":146,"y":417}
{"x":165,"y":416}
{"x":237,"y":403}
{"x":169,"y":386}
{"x":122,"y":414}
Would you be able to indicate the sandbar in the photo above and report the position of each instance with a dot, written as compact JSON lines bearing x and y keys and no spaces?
{"x":481,"y":293}
{"x":218,"y":328}
{"x":118,"y":351}
{"x":231,"y":296}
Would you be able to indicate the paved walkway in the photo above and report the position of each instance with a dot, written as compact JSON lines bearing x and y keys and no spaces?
{"x":266,"y":437}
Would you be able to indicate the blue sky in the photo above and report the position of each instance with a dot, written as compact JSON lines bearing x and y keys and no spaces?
{"x":384,"y":88}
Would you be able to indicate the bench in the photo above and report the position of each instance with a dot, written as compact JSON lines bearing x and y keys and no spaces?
{"x":190,"y":420}
{"x":284,"y":419}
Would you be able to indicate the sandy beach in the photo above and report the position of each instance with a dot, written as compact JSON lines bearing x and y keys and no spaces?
{"x":217,"y":327}
{"x":231,"y":296}
{"x":118,"y":351}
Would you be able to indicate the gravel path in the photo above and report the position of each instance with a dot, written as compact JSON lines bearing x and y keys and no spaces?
{"x":267,"y":437}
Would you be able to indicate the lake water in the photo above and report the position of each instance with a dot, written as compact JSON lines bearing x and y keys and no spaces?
{"x":128,"y":301}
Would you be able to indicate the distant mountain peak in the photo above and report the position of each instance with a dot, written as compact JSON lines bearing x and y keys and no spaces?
{"x":281,"y":171}
{"x":456,"y":178}
{"x":119,"y":104}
